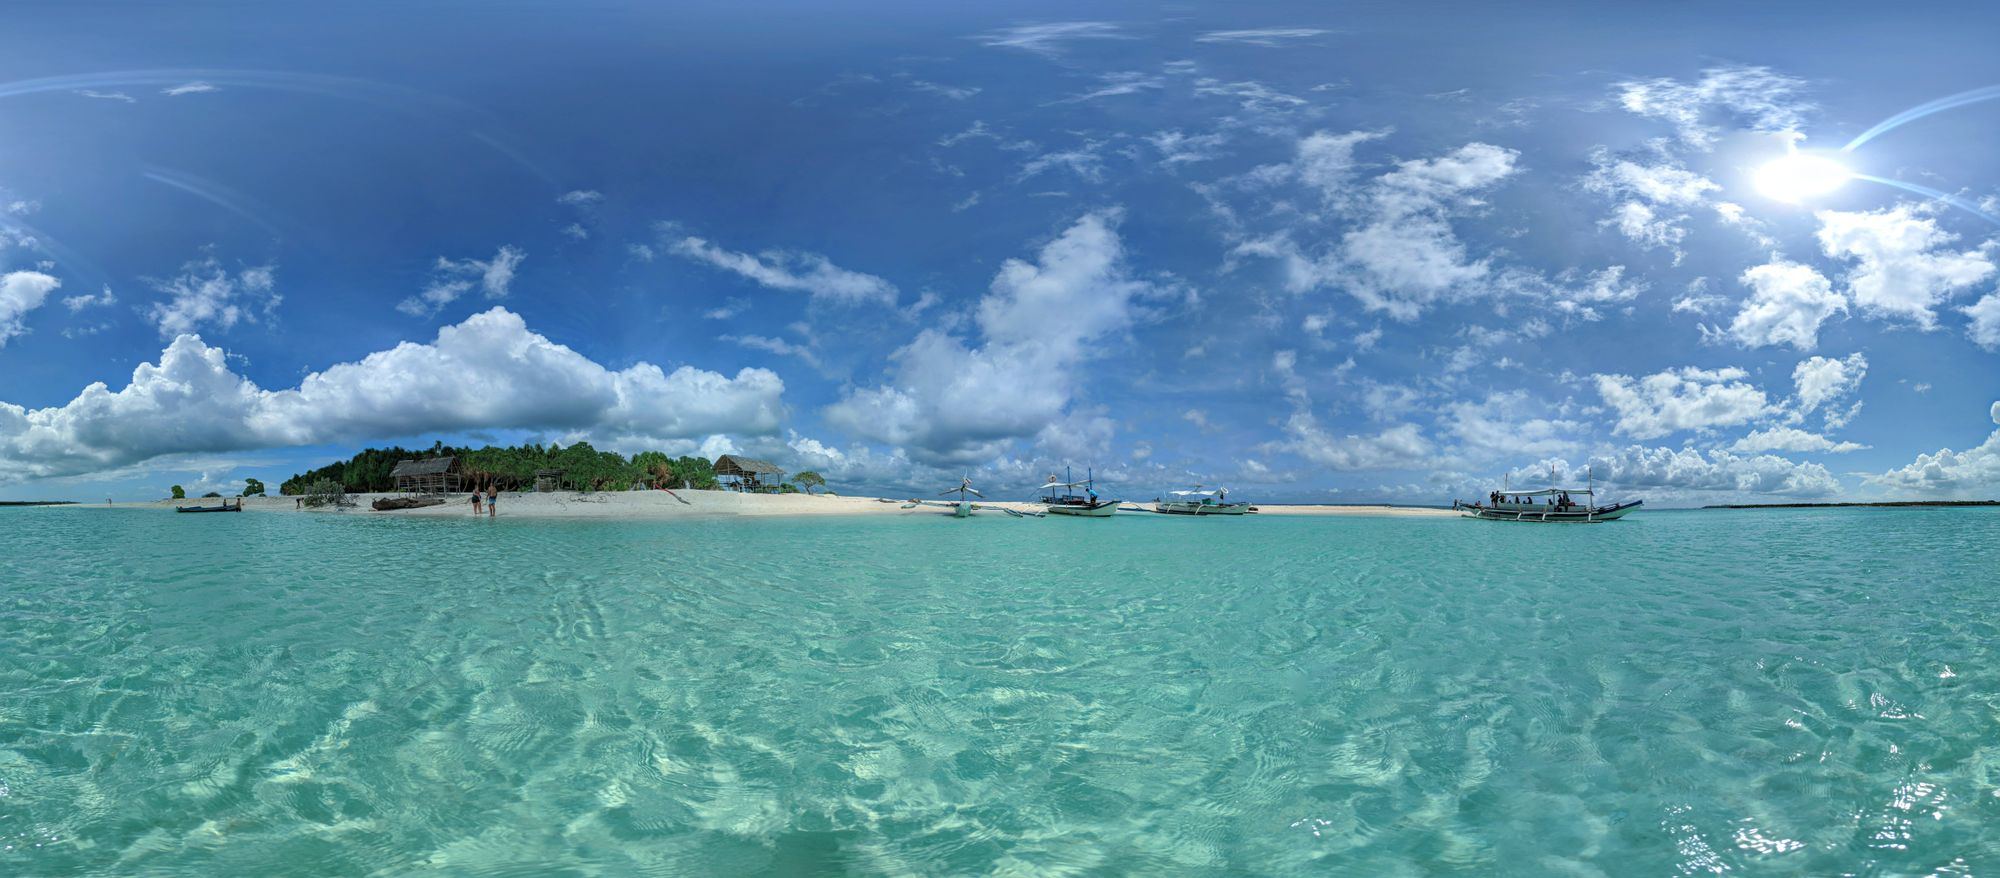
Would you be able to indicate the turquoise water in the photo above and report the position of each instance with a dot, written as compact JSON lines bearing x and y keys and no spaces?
{"x":1762,"y":693}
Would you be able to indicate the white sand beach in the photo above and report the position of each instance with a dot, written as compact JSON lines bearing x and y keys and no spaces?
{"x":695,"y":504}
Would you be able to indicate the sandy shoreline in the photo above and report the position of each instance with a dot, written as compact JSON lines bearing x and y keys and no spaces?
{"x":697,"y":504}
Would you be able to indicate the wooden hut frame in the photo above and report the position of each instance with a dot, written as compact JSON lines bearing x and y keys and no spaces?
{"x":747,"y":473}
{"x":437,"y":475}
{"x":548,"y":480}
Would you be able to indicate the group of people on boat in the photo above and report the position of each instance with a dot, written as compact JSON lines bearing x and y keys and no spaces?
{"x":1559,"y":501}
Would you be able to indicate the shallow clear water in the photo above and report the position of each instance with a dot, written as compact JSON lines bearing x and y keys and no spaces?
{"x":1678,"y":693}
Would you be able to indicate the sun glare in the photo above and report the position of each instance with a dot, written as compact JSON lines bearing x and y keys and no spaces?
{"x":1801,"y":175}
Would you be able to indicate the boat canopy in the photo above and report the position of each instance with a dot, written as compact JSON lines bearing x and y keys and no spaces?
{"x":1064,"y":485}
{"x":1192,"y":493}
{"x":1545,"y":492}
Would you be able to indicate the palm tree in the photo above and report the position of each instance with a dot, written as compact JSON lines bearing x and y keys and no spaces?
{"x":809,"y":480}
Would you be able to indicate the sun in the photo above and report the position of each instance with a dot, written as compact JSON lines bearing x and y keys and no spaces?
{"x":1801,"y":175}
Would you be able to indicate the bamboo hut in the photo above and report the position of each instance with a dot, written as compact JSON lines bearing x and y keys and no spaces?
{"x":436,"y":475}
{"x":547,"y":480}
{"x":747,"y":473}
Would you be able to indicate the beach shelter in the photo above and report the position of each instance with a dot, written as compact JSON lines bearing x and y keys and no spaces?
{"x":436,"y":475}
{"x":747,"y":473}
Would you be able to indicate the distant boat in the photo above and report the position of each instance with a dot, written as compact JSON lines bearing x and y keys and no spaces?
{"x":1551,"y":505}
{"x":1200,"y":502}
{"x":1068,"y":502}
{"x":225,"y":507}
{"x":964,"y":507}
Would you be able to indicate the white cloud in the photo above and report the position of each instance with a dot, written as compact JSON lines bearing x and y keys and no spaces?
{"x":1252,"y":96}
{"x":1406,"y":256}
{"x":191,"y":402}
{"x":1399,"y":447}
{"x":576,"y":232}
{"x":1120,"y":83}
{"x":953,"y":92}
{"x":108,"y":95}
{"x":1821,"y":380}
{"x":1974,"y":471}
{"x":1898,"y":273}
{"x":1681,"y":399}
{"x":951,"y":403}
{"x":88,"y":300}
{"x":206,"y":294}
{"x":580,"y":197}
{"x":1790,"y":439}
{"x":1269,"y":37}
{"x":1326,"y":160}
{"x":1177,"y":148}
{"x":1082,"y":161}
{"x":451,"y":279}
{"x":1984,"y":330}
{"x":795,"y":271}
{"x":1643,"y":191}
{"x":1757,"y":98}
{"x":20,"y":293}
{"x":1787,"y":304}
{"x":1687,"y":469}
{"x":1496,"y":427}
{"x":1049,"y":39}
{"x":189,"y":88}
{"x":777,"y":346}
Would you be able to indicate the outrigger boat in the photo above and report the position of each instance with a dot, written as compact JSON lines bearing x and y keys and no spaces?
{"x":225,"y":507}
{"x":1069,"y":503}
{"x":1200,"y":502}
{"x":1546,"y":505}
{"x":962,"y":507}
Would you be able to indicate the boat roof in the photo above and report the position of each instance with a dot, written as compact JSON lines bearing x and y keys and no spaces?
{"x":1192,"y":493}
{"x":1545,"y":492}
{"x":1066,"y":485}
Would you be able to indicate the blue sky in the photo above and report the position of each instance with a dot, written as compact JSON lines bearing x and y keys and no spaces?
{"x":1311,"y":252}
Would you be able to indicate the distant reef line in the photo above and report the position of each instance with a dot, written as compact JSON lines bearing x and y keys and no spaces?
{"x":37,"y":502}
{"x":1886,"y":504}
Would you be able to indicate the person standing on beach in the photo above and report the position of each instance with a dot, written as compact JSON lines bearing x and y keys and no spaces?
{"x":475,"y":500}
{"x":492,"y":501}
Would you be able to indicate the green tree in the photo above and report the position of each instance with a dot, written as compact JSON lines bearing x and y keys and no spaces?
{"x":809,"y":480}
{"x":253,"y":488}
{"x":180,"y":493}
{"x":212,"y":494}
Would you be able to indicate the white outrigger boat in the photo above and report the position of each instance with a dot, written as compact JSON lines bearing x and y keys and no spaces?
{"x":963,"y":507}
{"x":1087,"y":505}
{"x":1200,"y":502}
{"x":1554,"y":505}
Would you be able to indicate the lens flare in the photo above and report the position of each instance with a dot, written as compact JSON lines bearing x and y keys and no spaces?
{"x":1801,"y":175}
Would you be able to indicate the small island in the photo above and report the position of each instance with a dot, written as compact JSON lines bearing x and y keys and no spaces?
{"x":1886,"y":504}
{"x":37,"y":502}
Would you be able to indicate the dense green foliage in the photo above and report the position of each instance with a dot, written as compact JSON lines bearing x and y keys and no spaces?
{"x":212,"y":494}
{"x":584,"y":468}
{"x":253,"y":488}
{"x":321,"y":492}
{"x":809,"y":480}
{"x":180,"y":493}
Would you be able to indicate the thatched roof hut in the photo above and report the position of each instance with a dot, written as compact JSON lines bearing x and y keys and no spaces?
{"x":435,"y":475}
{"x":747,"y":473}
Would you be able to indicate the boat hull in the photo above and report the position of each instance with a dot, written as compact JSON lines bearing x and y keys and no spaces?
{"x":208,"y":509}
{"x":1201,"y":508}
{"x":1080,"y":510}
{"x":1590,"y":515}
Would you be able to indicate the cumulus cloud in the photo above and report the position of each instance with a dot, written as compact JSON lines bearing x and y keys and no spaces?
{"x":1756,"y":98}
{"x":189,"y":88}
{"x":1406,"y":255}
{"x":1250,"y":95}
{"x":205,"y":294}
{"x":191,"y":401}
{"x":20,"y":293}
{"x":950,"y":402}
{"x":1898,"y":272}
{"x":1399,"y":447}
{"x":1645,"y":193}
{"x":1790,"y":439}
{"x":580,"y":198}
{"x":1974,"y":471}
{"x":1787,"y":304}
{"x":1498,"y":427}
{"x":1984,"y":330}
{"x":1821,"y":380}
{"x":1681,"y":399}
{"x":101,"y":299}
{"x":1673,"y":471}
{"x":1177,"y":148}
{"x":451,"y":279}
{"x":795,"y":271}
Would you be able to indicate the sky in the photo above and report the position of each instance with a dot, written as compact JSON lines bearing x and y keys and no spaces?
{"x":1310,"y":252}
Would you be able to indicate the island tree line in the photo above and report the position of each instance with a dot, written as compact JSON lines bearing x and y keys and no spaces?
{"x":511,"y":469}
